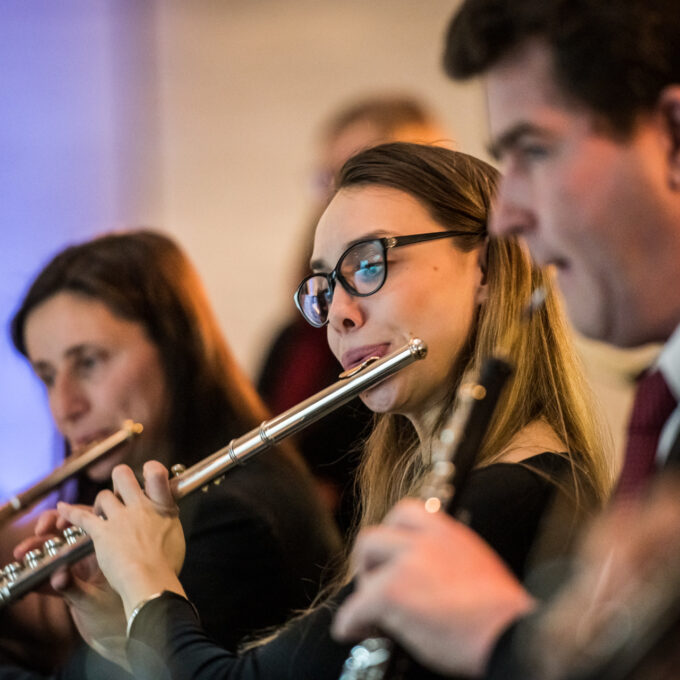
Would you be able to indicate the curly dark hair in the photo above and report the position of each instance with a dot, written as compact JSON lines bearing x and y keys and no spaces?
{"x":613,"y":57}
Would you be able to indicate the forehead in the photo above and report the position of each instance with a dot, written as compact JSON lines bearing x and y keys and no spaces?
{"x":362,"y":212}
{"x":68,"y":319}
{"x":521,"y":93}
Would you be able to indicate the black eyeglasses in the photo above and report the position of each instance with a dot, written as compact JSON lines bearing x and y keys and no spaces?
{"x":361,"y":271}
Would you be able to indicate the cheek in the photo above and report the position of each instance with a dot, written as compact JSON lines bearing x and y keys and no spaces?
{"x":152,"y":394}
{"x":138,"y":391}
{"x":332,"y":340}
{"x":446,"y":308}
{"x":579,"y":196}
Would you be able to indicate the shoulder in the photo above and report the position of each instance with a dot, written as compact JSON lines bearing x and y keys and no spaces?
{"x":504,"y":503}
{"x":506,"y":480}
{"x":532,"y":439}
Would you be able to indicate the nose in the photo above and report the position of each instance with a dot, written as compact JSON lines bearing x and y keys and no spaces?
{"x":345,"y":311}
{"x":68,"y":401}
{"x":510,"y":216}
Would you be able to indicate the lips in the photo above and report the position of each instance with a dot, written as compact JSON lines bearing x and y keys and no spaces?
{"x":353,"y":357}
{"x":83,"y":443}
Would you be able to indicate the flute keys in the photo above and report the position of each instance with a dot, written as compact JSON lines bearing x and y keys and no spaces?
{"x":32,"y":558}
{"x":52,"y":545}
{"x":72,"y":534}
{"x":178,"y":469}
{"x":12,"y":571}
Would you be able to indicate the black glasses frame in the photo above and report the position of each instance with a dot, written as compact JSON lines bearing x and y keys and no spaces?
{"x":386,"y":242}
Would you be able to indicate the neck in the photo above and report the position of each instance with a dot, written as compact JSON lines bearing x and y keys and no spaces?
{"x":425,"y":425}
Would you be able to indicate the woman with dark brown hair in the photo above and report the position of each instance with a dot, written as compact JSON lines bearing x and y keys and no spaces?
{"x":402,"y":250}
{"x":120,"y":328}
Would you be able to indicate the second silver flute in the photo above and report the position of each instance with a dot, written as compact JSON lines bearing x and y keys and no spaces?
{"x":17,"y":579}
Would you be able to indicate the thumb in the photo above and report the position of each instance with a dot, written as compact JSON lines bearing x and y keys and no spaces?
{"x":157,"y":488}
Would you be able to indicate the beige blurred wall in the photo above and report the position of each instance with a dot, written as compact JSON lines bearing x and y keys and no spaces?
{"x":201,"y":117}
{"x":241,"y":89}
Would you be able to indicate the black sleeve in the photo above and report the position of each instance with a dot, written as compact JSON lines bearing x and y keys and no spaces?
{"x":505,"y":663}
{"x":83,"y":664}
{"x":504,"y":503}
{"x":167,"y":641}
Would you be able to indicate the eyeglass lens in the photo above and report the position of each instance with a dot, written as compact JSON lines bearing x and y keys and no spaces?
{"x":314,"y":298}
{"x":363,"y":267}
{"x":361,"y":271}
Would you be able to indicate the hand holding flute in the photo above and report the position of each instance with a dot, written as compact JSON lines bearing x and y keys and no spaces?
{"x":134,"y":558}
{"x":139,"y":542}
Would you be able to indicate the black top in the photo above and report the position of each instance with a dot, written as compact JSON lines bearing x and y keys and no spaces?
{"x":257,"y":545}
{"x":504,"y":501}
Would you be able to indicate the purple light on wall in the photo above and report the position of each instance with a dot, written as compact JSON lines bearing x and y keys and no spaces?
{"x":59,"y":173}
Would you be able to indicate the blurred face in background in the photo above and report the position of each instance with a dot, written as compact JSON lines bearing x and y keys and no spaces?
{"x":99,"y":370}
{"x":360,"y":135}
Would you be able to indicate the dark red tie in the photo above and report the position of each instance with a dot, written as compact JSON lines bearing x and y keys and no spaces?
{"x":652,"y":406}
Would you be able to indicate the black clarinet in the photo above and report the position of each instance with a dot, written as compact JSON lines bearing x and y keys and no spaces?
{"x":379,"y":658}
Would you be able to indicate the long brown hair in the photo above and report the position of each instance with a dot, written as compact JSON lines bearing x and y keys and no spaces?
{"x":457,"y":189}
{"x":143,"y":276}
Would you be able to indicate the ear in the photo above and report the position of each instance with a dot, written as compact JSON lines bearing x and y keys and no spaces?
{"x":669,"y":106}
{"x":482,"y":260}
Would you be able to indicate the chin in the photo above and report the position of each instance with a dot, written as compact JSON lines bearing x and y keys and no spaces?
{"x":380,"y":399}
{"x":100,"y":471}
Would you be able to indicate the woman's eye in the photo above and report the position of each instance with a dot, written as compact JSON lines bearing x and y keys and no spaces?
{"x":368,"y":272}
{"x":46,"y":379}
{"x":86,"y":363}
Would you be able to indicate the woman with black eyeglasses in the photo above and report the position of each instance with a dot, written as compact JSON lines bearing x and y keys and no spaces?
{"x":401,"y":251}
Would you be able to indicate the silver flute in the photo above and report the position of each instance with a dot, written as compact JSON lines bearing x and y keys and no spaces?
{"x":75,"y":463}
{"x":17,"y":579}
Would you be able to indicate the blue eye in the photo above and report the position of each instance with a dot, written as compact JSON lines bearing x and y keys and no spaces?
{"x":368,"y":273}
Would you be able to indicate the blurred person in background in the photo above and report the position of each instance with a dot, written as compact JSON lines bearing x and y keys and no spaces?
{"x":117,"y":328}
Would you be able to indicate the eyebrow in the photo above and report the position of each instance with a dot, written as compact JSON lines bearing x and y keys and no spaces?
{"x":319,"y":265}
{"x":511,"y":137}
{"x":40,"y":366}
{"x":71,"y":352}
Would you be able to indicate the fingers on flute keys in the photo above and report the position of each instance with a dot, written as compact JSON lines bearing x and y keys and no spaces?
{"x":157,"y":488}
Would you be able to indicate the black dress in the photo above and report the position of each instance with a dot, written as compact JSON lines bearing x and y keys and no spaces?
{"x":505,"y":503}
